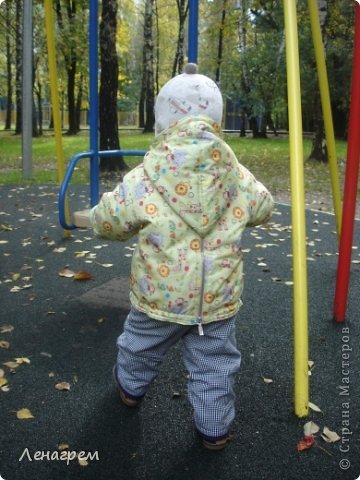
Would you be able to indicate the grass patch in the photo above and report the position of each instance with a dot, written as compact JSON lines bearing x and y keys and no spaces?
{"x":267,"y":158}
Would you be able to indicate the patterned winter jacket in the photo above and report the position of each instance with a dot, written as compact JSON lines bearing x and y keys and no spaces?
{"x":189,"y":202}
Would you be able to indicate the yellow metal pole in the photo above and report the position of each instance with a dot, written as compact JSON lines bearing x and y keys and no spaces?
{"x":49,"y":22}
{"x":326,"y":108}
{"x":301,"y":377}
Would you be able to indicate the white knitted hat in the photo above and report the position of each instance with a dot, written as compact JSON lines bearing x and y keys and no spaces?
{"x":187,"y":94}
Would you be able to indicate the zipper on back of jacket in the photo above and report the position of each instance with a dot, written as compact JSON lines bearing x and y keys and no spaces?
{"x":202,"y":288}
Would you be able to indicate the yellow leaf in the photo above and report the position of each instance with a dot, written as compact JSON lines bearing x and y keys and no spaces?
{"x":2,"y":373}
{"x":329,"y":436}
{"x":83,"y":462}
{"x":24,"y":414}
{"x":63,"y":446}
{"x":3,"y":381}
{"x":11,"y":365}
{"x":81,"y":254}
{"x":16,"y":289}
{"x":6,"y":328}
{"x":15,"y":277}
{"x":314,"y":407}
{"x":63,"y":386}
{"x":4,"y":344}
{"x":21,"y":360}
{"x":59,"y":250}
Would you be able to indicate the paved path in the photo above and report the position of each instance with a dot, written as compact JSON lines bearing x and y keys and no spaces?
{"x":67,"y":330}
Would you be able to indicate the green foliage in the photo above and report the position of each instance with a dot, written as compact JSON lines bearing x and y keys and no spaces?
{"x":253,"y":65}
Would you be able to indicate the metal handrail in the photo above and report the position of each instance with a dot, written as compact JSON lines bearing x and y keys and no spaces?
{"x":70,"y":170}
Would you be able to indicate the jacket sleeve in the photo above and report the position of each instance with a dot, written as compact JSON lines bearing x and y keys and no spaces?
{"x":115,"y":216}
{"x":261,"y":202}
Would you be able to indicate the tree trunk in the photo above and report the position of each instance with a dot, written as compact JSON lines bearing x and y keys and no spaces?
{"x":39,"y":105}
{"x":8,"y":69}
{"x":244,"y":77}
{"x":157,"y":50}
{"x":178,"y":64}
{"x":78,"y":102}
{"x":220,"y":43}
{"x":71,"y":74}
{"x":148,"y":67}
{"x":108,"y":122}
{"x":70,"y":57}
{"x":318,"y":149}
{"x":18,"y":89}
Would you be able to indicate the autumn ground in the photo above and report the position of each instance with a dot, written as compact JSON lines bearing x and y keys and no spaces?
{"x":57,"y":348}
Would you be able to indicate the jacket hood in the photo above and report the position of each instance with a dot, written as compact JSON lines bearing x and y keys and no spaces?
{"x":194,"y":171}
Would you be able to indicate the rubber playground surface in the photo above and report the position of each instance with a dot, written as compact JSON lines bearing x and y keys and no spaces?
{"x":58,"y":334}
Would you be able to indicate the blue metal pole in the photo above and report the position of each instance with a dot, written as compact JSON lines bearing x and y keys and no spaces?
{"x":193,"y":31}
{"x":94,"y":102}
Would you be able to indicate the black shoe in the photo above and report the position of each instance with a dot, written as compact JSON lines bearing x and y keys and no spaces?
{"x":128,"y":400}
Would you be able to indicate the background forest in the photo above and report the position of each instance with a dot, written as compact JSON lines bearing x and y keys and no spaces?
{"x":144,"y":42}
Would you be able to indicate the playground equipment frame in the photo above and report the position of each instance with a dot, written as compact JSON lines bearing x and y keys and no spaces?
{"x":301,"y":378}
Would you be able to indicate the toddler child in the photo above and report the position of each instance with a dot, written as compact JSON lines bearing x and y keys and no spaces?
{"x":189,"y":203}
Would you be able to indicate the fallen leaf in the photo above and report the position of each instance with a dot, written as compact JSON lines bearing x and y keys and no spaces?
{"x":15,"y":277}
{"x":268,"y":380}
{"x":106,"y":265}
{"x":81,"y":254}
{"x":83,"y":276}
{"x":310,"y":428}
{"x":5,"y":228}
{"x":3,"y":381}
{"x":6,"y":328}
{"x":4,"y":344}
{"x":63,"y":386}
{"x":83,"y":462}
{"x":66,"y":272}
{"x":5,"y":388}
{"x":2,"y":373}
{"x":314,"y":407}
{"x":17,"y":289}
{"x":24,"y":414}
{"x":11,"y":365}
{"x":59,"y":250}
{"x":329,"y":436}
{"x":63,"y":446}
{"x":21,"y":360}
{"x":305,"y":443}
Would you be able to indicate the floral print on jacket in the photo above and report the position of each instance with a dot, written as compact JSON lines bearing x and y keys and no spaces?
{"x":189,"y":202}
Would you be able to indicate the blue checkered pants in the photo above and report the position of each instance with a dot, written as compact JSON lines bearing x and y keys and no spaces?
{"x":212,"y":361}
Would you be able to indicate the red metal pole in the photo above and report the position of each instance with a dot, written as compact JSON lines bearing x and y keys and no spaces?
{"x":351,"y":182}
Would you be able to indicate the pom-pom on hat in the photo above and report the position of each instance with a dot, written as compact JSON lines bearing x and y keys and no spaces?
{"x":187,"y":94}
